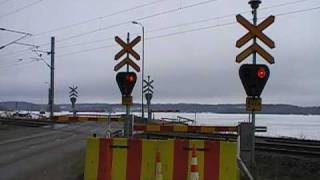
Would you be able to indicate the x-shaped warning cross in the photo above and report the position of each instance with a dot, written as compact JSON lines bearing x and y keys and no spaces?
{"x":148,"y":84}
{"x":127,"y":48}
{"x":255,"y":31}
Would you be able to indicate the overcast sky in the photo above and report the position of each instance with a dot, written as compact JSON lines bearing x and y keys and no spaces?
{"x":190,"y":53}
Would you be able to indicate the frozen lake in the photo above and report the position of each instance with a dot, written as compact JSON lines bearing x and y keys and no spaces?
{"x":297,"y":126}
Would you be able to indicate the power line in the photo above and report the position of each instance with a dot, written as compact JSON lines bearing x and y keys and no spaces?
{"x":87,"y":21}
{"x":175,"y":33}
{"x":16,"y":53}
{"x":4,"y":2}
{"x":191,"y":30}
{"x":177,"y":9}
{"x":174,"y":26}
{"x":189,"y":23}
{"x":99,"y":18}
{"x":141,"y":18}
{"x":20,"y":9}
{"x":230,"y":23}
{"x":283,"y":4}
{"x":174,"y":10}
{"x":171,"y":11}
{"x":18,"y":64}
{"x":87,"y":50}
{"x":151,"y":38}
{"x":88,"y":42}
{"x":298,"y":11}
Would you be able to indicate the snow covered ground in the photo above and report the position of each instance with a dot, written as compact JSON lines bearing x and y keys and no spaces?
{"x":296,"y":126}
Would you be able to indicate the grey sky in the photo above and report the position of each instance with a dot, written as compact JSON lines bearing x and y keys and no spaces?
{"x":197,"y":66}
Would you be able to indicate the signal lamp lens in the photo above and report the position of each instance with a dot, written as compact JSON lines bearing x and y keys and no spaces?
{"x":130,"y":78}
{"x":261,"y":73}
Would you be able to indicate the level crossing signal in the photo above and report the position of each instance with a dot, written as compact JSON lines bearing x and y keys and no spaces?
{"x":148,"y":88}
{"x":255,"y":31}
{"x":254,"y":77}
{"x":73,"y":94}
{"x":127,"y":49}
{"x":148,"y":93}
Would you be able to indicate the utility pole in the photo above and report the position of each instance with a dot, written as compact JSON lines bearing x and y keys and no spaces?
{"x":51,"y":94}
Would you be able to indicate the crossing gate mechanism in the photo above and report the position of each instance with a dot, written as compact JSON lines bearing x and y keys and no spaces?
{"x":135,"y":159}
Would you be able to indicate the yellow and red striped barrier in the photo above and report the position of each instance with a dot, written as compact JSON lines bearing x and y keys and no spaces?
{"x":85,"y":118}
{"x":134,"y":159}
{"x":184,"y":128}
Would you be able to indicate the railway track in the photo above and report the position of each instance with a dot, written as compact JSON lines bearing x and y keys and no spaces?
{"x":287,"y":146}
{"x":264,"y":144}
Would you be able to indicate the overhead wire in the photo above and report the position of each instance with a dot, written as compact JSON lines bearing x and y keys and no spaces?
{"x":127,"y":22}
{"x":188,"y":31}
{"x":99,"y":18}
{"x":141,"y":18}
{"x":179,"y":25}
{"x":89,"y":20}
{"x":20,"y":9}
{"x":86,"y":50}
{"x":184,"y":24}
{"x":199,"y":21}
{"x":18,"y":64}
{"x":88,"y":42}
{"x":188,"y":23}
{"x":168,"y":12}
{"x":4,"y":2}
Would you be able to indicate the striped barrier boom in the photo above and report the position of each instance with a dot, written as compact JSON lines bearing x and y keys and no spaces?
{"x":84,"y":118}
{"x":134,"y":159}
{"x":184,"y":128}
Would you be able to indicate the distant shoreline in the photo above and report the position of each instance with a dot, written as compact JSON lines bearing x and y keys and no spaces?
{"x":278,"y":109}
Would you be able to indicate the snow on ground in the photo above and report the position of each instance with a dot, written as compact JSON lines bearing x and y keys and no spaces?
{"x":296,"y":126}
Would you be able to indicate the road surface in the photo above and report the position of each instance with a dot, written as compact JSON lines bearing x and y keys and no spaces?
{"x":52,"y":152}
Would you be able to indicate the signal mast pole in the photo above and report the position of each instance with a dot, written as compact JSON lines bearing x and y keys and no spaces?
{"x":254,"y":5}
{"x":128,"y":124}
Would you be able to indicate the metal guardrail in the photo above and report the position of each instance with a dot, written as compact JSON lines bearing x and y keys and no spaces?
{"x":261,"y":129}
{"x":178,"y":120}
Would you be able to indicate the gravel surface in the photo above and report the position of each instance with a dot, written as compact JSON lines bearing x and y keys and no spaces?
{"x":273,"y":166}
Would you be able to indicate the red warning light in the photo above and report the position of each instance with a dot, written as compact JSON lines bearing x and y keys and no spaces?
{"x":130,"y":78}
{"x":261,"y":73}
